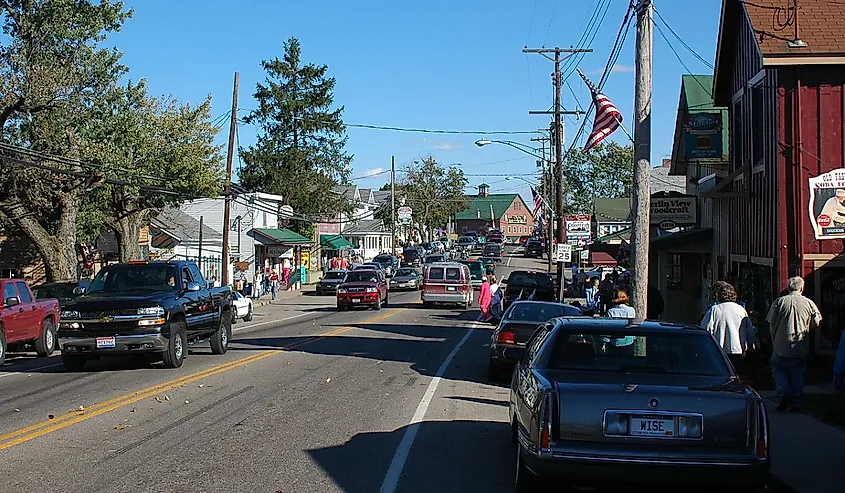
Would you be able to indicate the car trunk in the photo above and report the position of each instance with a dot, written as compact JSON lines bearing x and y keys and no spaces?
{"x":584,"y":398}
{"x":522,"y":331}
{"x":516,"y":292}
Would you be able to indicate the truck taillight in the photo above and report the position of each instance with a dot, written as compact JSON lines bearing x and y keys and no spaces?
{"x":762,"y":433}
{"x":546,"y":423}
{"x":506,"y":337}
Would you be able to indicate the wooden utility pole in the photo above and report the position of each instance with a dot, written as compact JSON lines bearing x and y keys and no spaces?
{"x":548,"y":187}
{"x":199,"y":250}
{"x":393,"y":202}
{"x":642,"y":164}
{"x":558,"y":112}
{"x":227,"y":205}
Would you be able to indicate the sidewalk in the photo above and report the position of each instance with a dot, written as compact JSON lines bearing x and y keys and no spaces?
{"x":306,"y":289}
{"x":807,"y":455}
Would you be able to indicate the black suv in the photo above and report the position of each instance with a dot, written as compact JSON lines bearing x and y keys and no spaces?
{"x":534,"y":248}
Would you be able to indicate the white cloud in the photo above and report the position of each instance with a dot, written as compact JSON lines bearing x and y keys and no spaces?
{"x":622,"y":69}
{"x":373,"y":172}
{"x":447,"y":146}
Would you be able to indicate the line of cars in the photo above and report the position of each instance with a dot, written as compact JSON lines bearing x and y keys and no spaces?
{"x":597,"y":400}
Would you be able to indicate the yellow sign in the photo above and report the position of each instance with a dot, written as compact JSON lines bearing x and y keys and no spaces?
{"x":306,"y":258}
{"x":517,"y":220}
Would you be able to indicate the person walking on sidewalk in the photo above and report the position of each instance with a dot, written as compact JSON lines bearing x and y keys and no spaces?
{"x":790,"y":319}
{"x":274,"y":284}
{"x":729,"y":324}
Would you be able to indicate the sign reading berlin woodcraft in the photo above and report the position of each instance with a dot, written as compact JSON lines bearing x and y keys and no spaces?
{"x":682,"y":210}
{"x":578,"y":227}
{"x":827,"y":205}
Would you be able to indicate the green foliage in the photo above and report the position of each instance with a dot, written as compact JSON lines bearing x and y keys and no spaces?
{"x":434,"y":192}
{"x":300,"y":151}
{"x":606,"y":171}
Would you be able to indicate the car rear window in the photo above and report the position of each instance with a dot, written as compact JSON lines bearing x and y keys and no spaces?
{"x":411,"y":254}
{"x":453,"y":274}
{"x":383,"y":259}
{"x":435,"y":258}
{"x":361,"y":276}
{"x":638,"y":352}
{"x":435,"y":273}
{"x":531,"y":280}
{"x":540,"y":312}
{"x":334,"y":275}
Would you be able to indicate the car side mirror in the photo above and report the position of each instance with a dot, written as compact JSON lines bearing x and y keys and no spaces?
{"x":503,"y":281}
{"x":12,"y":301}
{"x":513,"y":353}
{"x":193,"y":287}
{"x":79,"y":290}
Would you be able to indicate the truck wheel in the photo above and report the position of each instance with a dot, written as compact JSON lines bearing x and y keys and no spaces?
{"x":248,"y":316}
{"x":174,"y":354}
{"x":46,"y":344}
{"x":377,"y":306}
{"x":234,"y":314}
{"x":73,"y":363}
{"x":220,"y":339}
{"x":2,"y":345}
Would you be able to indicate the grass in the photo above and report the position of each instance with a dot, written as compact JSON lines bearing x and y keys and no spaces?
{"x":829,"y":408}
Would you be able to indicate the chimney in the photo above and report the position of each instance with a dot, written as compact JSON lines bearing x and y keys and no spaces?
{"x":484,"y":190}
{"x":667,"y":163}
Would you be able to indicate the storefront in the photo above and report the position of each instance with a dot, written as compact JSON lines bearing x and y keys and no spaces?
{"x":277,"y":249}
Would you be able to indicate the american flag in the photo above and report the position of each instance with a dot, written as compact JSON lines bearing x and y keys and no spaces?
{"x":538,"y":201}
{"x":608,"y":117}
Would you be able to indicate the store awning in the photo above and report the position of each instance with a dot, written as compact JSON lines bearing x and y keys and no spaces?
{"x":682,"y":238}
{"x":277,"y":236}
{"x":334,"y":242}
{"x":602,"y":259}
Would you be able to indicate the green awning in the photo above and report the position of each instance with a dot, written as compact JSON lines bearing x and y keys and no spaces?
{"x":334,"y":242}
{"x":276,"y":236}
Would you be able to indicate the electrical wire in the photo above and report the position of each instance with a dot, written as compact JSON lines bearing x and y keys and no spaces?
{"x":684,"y":43}
{"x":430,"y":131}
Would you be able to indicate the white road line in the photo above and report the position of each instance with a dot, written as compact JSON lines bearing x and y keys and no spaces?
{"x":394,"y":472}
{"x":510,"y":257}
{"x":271,"y":321}
{"x":11,"y":374}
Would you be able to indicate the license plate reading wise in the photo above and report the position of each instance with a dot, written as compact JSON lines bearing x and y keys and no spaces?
{"x":644,"y":426}
{"x":105,"y":342}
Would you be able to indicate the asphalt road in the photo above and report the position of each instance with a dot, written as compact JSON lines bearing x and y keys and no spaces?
{"x":306,"y":400}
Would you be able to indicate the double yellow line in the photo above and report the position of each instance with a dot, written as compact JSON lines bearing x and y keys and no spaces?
{"x":31,"y":432}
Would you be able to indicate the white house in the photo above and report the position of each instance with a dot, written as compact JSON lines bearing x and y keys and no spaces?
{"x":369,"y":237}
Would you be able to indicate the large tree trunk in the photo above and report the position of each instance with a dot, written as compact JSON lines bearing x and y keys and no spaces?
{"x":127,"y":230}
{"x":57,"y":251}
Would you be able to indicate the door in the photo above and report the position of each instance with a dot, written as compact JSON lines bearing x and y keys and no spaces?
{"x":191,"y":301}
{"x":207,"y":316}
{"x":12,"y":315}
{"x":30,"y":323}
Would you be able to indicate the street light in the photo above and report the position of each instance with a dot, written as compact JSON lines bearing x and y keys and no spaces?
{"x":516,"y":145}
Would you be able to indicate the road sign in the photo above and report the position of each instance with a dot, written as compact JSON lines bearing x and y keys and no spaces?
{"x":285,"y":212}
{"x":404,"y":215}
{"x":563,"y":252}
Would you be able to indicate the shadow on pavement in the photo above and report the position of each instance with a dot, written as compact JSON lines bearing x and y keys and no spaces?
{"x":477,"y":400}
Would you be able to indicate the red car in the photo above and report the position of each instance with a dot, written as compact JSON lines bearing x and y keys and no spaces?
{"x":362,"y":288}
{"x":24,"y":321}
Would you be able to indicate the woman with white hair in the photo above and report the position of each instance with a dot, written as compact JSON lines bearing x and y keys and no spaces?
{"x":729,"y":324}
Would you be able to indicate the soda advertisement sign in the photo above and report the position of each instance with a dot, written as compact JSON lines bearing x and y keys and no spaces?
{"x":578,"y":226}
{"x":827,"y":205}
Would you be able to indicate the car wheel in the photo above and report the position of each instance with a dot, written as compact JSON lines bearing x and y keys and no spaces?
{"x":2,"y":346}
{"x":340,"y":307}
{"x":220,"y":339}
{"x":73,"y":362}
{"x":525,"y":480}
{"x":377,"y":306}
{"x":248,"y":316}
{"x":174,"y":354}
{"x":234,"y":314}
{"x":386,"y":299}
{"x":428,"y":304}
{"x":46,"y":344}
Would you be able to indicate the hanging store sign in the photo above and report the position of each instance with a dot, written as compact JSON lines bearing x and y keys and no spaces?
{"x":578,"y":227}
{"x":827,"y":205}
{"x":279,"y":251}
{"x":703,"y":136}
{"x":517,"y":220}
{"x":404,"y":215}
{"x":673,"y":208}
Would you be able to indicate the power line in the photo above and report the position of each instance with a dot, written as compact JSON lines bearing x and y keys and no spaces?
{"x":432,"y":131}
{"x":551,"y":20}
{"x":685,"y":45}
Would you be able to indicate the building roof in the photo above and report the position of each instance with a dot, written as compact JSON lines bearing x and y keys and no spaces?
{"x":773,"y":27}
{"x":479,"y":207}
{"x":381,"y":196}
{"x":348,"y":192}
{"x":366,"y":194}
{"x":612,"y":210}
{"x":663,"y":181}
{"x":366,"y":226}
{"x":334,"y":242}
{"x":280,"y":236}
{"x":181,"y":226}
{"x":696,"y":97}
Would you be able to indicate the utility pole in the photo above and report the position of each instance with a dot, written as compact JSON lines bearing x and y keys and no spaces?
{"x":199,"y":251}
{"x":548,"y":187}
{"x":227,"y":205}
{"x":558,"y":112}
{"x":642,"y":155}
{"x":393,"y":202}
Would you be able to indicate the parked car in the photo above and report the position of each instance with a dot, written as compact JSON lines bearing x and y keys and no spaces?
{"x":413,"y":257}
{"x":586,"y":409}
{"x":517,"y":325}
{"x":476,"y":272}
{"x":26,"y":321}
{"x":534,"y":248}
{"x":145,"y":307}
{"x":241,"y":307}
{"x":524,"y":284}
{"x":492,"y":250}
{"x":388,"y":263}
{"x":330,"y":281}
{"x":446,"y":282}
{"x":62,"y":291}
{"x":363,"y":288}
{"x":406,"y":278}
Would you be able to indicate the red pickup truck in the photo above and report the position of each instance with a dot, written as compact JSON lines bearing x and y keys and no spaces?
{"x":26,"y":321}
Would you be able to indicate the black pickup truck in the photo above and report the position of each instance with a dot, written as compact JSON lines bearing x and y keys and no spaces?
{"x":143,"y":308}
{"x":528,"y":285}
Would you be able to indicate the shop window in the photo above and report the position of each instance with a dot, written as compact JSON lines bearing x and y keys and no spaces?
{"x":674,"y":280}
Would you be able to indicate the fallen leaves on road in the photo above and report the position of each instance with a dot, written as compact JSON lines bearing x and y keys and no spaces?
{"x":187,"y":402}
{"x":50,"y":416}
{"x":201,"y":385}
{"x":122,"y":427}
{"x":329,"y":380}
{"x":17,"y":410}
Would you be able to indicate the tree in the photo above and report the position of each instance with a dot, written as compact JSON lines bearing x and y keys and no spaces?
{"x":51,"y":68}
{"x":162,"y":149}
{"x":606,"y":171}
{"x":300,"y":153}
{"x":433,"y":192}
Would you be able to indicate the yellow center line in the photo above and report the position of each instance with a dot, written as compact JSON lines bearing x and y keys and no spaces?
{"x":73,"y":417}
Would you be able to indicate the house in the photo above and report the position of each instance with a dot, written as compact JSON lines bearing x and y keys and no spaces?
{"x":369,"y":237}
{"x":784,"y":86}
{"x":174,"y":234}
{"x":365,"y":202}
{"x":504,"y":211}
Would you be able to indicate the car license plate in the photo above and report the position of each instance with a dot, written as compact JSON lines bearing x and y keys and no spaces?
{"x":105,"y":342}
{"x":355,"y":300}
{"x":451,"y":288}
{"x":644,"y":426}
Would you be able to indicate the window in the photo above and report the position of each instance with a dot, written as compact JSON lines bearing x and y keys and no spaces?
{"x":674,"y":280}
{"x":435,"y":273}
{"x":758,"y":130}
{"x":9,"y":292}
{"x":536,"y":342}
{"x":453,"y":274}
{"x":736,"y":133}
{"x":24,"y":292}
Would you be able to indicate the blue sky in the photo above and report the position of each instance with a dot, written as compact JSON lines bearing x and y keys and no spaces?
{"x":455,"y":65}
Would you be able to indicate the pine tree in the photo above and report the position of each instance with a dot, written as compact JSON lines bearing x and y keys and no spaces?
{"x":300,"y":152}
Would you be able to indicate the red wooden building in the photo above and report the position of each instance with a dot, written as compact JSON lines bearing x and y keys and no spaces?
{"x":781,"y":72}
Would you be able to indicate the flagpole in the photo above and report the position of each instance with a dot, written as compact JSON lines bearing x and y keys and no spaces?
{"x":595,"y":89}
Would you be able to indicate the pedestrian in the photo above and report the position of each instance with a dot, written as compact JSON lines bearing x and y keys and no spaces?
{"x":606,"y":292}
{"x":654,"y":303}
{"x":485,"y":297}
{"x":257,"y":280}
{"x":619,"y":308}
{"x":496,"y":299}
{"x":791,"y":318}
{"x":274,"y":284}
{"x":286,"y":274}
{"x":729,"y":324}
